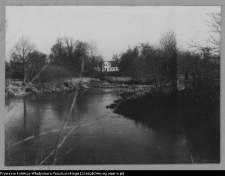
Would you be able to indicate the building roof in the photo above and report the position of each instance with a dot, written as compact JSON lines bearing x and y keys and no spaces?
{"x":113,"y":63}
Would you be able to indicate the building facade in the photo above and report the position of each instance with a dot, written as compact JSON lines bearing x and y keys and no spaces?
{"x":108,"y":66}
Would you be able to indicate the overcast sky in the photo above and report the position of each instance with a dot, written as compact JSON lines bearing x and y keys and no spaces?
{"x":113,"y":29}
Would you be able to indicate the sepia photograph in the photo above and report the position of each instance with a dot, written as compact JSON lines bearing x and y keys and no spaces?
{"x":112,"y":85}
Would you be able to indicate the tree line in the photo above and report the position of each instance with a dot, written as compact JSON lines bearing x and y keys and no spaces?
{"x":64,"y":60}
{"x":163,"y":63}
{"x":166,"y":63}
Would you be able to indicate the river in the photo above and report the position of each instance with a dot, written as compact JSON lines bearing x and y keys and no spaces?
{"x":94,"y":134}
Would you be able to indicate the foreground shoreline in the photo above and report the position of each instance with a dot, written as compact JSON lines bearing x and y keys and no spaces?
{"x":17,"y":89}
{"x":179,"y":111}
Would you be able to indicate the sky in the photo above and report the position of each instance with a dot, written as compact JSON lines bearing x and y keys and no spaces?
{"x":113,"y":29}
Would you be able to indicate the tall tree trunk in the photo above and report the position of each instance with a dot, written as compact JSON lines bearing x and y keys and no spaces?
{"x":24,"y":73}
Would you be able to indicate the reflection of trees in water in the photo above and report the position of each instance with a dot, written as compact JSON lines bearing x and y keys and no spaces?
{"x":81,"y":106}
{"x":24,"y":117}
{"x":27,"y":125}
{"x":172,"y":146}
{"x":83,"y":101}
{"x":204,"y":145}
{"x":32,"y":124}
{"x":31,"y":117}
{"x":91,"y":100}
{"x":59,"y":103}
{"x":188,"y":145}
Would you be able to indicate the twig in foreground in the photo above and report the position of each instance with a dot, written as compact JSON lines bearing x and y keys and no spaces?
{"x":59,"y":145}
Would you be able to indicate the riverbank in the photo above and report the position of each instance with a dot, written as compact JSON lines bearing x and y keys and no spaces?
{"x":127,"y":80}
{"x":176,"y":111}
{"x":123,"y":82}
{"x":16,"y":88}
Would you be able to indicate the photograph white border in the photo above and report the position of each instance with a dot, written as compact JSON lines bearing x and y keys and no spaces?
{"x":4,"y":3}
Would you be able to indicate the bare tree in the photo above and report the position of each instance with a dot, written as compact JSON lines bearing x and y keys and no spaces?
{"x":69,"y":49}
{"x":214,"y":39}
{"x":93,"y":48}
{"x":82,"y":48}
{"x":168,"y":45}
{"x":74,"y":50}
{"x":21,"y":51}
{"x":214,"y":24}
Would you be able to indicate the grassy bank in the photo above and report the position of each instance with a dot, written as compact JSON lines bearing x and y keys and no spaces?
{"x":126,"y":80}
{"x":16,"y":88}
{"x":122,"y":82}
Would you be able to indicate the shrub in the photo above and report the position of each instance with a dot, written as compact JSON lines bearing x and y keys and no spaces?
{"x":53,"y":73}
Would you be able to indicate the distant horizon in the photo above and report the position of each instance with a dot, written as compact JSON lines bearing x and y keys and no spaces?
{"x":112,"y":29}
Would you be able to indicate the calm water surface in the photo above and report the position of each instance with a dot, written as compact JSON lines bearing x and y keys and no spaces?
{"x":94,"y":134}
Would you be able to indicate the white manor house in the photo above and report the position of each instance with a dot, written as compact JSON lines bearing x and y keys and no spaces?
{"x":108,"y":66}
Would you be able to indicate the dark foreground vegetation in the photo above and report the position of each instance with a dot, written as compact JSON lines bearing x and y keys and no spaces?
{"x":181,"y":110}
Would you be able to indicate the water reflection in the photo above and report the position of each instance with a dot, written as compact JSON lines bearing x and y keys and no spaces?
{"x":185,"y":145}
{"x":24,"y":117}
{"x":102,"y":138}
